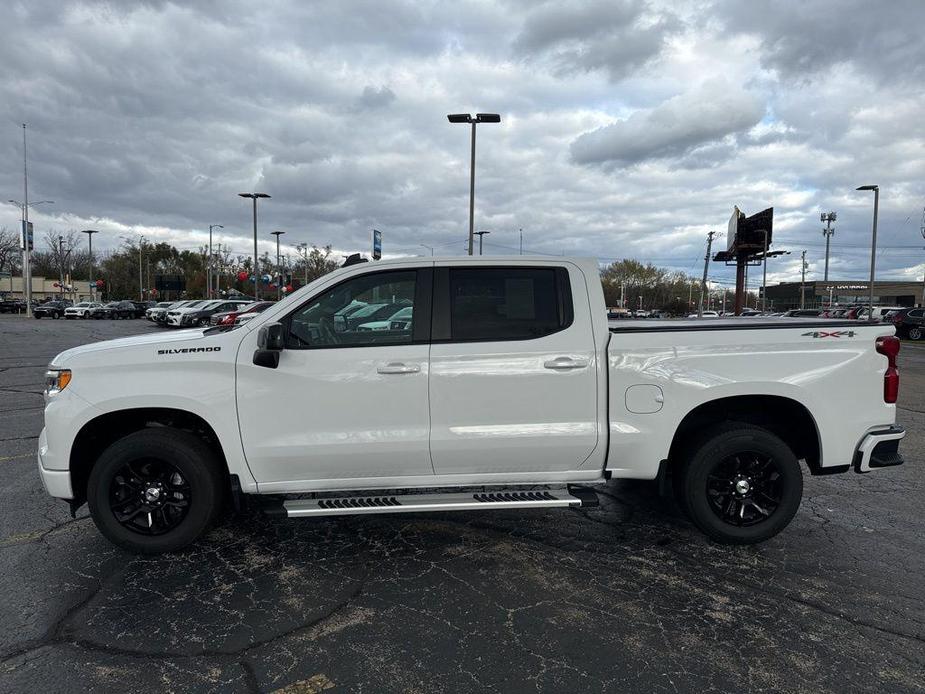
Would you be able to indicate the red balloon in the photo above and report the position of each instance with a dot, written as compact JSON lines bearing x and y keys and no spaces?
{"x":288,"y":288}
{"x":242,"y":276}
{"x":99,"y":283}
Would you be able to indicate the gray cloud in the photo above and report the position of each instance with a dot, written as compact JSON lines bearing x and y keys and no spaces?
{"x":150,"y":117}
{"x":616,"y":36}
{"x":677,"y":126}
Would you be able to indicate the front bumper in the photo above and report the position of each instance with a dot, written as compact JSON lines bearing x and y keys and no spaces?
{"x":56,"y":482}
{"x":879,"y":449}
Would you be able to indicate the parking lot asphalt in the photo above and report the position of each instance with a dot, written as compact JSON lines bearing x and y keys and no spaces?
{"x":627,"y":596}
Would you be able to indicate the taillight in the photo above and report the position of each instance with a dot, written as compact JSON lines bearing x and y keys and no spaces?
{"x":889,"y":347}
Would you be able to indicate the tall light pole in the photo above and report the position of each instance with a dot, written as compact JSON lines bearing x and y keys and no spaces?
{"x":279,"y":272}
{"x":90,"y":233}
{"x":254,"y":197}
{"x":828,"y":218}
{"x":430,"y":248}
{"x":141,"y":286}
{"x":26,"y":249}
{"x":873,"y":244}
{"x":302,"y":248}
{"x":521,"y":241}
{"x":467,"y":118}
{"x":922,"y":229}
{"x":209,"y":272}
{"x":480,"y":235}
{"x":803,"y":267}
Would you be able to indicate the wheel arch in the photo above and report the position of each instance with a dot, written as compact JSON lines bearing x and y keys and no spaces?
{"x":102,"y":431}
{"x":785,"y":417}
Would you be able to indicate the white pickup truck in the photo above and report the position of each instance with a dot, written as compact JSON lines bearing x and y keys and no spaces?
{"x":507,"y":388}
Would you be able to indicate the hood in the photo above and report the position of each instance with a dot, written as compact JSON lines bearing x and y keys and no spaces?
{"x":158,"y":338}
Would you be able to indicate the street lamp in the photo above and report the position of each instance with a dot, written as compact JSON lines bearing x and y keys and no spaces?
{"x":90,"y":233}
{"x":279,"y":274}
{"x":254,"y":196}
{"x":209,"y":272}
{"x":467,"y":118}
{"x":873,"y":245}
{"x":480,"y":235}
{"x":26,"y":265}
{"x":430,"y":248}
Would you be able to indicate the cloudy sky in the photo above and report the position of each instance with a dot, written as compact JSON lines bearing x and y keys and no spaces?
{"x":629,"y":127}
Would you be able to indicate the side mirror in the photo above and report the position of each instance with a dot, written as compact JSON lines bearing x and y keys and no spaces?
{"x":271,"y":340}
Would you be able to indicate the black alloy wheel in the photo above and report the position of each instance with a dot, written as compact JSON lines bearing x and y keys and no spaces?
{"x":739,"y":483}
{"x":744,"y":489}
{"x":149,"y":497}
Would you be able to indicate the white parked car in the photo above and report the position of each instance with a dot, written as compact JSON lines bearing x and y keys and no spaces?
{"x":175,"y":315}
{"x":507,"y":380}
{"x":81,"y":310}
{"x":706,"y":314}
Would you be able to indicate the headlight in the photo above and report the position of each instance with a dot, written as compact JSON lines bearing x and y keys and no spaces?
{"x":56,"y":380}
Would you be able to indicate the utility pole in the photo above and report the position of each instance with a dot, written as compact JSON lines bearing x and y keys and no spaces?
{"x":221,"y":269}
{"x":828,"y":218}
{"x":706,"y":264}
{"x":622,"y":294}
{"x":26,"y":265}
{"x":803,"y":267}
{"x":90,"y":233}
{"x":521,"y":241}
{"x":922,"y":228}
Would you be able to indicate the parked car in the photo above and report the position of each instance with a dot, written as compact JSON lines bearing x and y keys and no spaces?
{"x":400,"y":320}
{"x":81,"y":310}
{"x":12,"y":306}
{"x":366,"y":314}
{"x":706,"y":314}
{"x":114,"y":310}
{"x":50,"y":309}
{"x":159,"y":314}
{"x":141,"y":307}
{"x":292,"y":407}
{"x":880,"y":312}
{"x":909,"y":322}
{"x":193,"y":316}
{"x":230,"y":317}
{"x":149,"y":314}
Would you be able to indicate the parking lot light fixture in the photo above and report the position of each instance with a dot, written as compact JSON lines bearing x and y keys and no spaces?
{"x":873,"y":245}
{"x":254,"y":197}
{"x":473,"y":121}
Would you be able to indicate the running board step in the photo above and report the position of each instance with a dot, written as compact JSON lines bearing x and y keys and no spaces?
{"x":417,"y":503}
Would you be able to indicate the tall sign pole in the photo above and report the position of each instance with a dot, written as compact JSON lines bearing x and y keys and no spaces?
{"x":802,"y":279}
{"x":828,"y":218}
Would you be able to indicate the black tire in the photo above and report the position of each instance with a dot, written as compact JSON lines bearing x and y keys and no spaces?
{"x":915,"y":332}
{"x":36,"y":316}
{"x":56,"y":315}
{"x":740,"y":452}
{"x":174,"y":450}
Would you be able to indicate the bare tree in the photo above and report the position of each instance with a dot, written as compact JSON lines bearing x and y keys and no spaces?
{"x":9,"y":250}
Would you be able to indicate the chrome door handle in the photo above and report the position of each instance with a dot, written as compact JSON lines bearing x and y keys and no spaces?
{"x":398,"y":367}
{"x":565,"y":363}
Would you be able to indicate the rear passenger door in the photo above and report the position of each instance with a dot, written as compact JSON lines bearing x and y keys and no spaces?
{"x":513,"y":385}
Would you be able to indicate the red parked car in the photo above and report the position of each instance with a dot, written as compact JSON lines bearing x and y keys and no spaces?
{"x":228,"y":317}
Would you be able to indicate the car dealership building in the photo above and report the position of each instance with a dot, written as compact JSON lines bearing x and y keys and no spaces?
{"x":843,"y":293}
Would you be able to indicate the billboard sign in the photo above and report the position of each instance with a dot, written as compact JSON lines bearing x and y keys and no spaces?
{"x":169,"y":283}
{"x":377,"y":244}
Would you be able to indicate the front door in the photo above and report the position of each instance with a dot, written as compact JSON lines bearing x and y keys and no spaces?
{"x":349,"y":398}
{"x":513,"y":385}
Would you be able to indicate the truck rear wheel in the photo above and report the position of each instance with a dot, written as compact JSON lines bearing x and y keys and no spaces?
{"x":155,"y":490}
{"x":741,"y":484}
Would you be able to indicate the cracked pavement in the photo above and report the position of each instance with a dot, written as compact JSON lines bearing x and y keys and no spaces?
{"x":625,"y":596}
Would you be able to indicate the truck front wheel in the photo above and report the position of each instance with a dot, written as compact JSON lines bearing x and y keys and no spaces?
{"x":741,"y":484}
{"x":155,"y":490}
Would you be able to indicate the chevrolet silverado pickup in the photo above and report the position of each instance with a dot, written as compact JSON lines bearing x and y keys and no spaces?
{"x":506,"y":388}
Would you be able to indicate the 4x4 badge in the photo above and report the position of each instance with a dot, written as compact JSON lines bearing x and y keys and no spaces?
{"x":832,"y":333}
